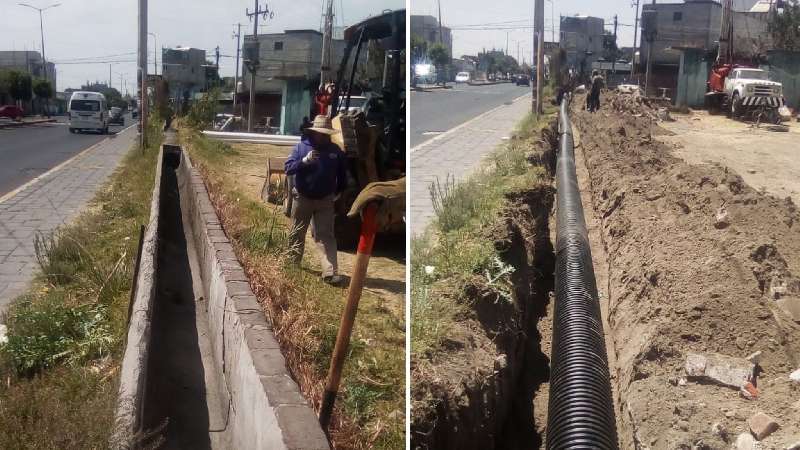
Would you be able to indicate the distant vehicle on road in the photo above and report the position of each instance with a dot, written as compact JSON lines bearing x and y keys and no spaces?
{"x":88,"y":111}
{"x":135,"y":113}
{"x":462,"y":77}
{"x":115,"y":116}
{"x":12,"y":112}
{"x":523,"y":80}
{"x":357,"y":103}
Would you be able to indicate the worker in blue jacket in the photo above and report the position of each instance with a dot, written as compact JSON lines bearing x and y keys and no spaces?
{"x":320,"y":174}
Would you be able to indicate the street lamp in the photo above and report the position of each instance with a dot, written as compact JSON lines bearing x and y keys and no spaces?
{"x":41,"y":29}
{"x":155,"y":55}
{"x":552,"y":21}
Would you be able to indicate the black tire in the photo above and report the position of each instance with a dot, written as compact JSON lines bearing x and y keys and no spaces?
{"x":72,"y":131}
{"x":736,"y":106}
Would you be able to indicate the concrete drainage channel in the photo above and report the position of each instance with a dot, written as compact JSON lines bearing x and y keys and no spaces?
{"x":202,"y":368}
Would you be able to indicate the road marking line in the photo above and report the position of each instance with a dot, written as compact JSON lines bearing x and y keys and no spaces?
{"x":16,"y":191}
{"x":458,"y":127}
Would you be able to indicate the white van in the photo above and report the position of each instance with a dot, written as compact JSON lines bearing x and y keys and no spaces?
{"x":87,"y":111}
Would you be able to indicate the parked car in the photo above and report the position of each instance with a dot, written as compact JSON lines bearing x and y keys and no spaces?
{"x":87,"y":111}
{"x":523,"y":80}
{"x":135,"y":113}
{"x":115,"y":116}
{"x":462,"y":77}
{"x":12,"y":112}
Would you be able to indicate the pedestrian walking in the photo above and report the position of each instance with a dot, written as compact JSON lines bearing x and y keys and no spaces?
{"x":594,"y":93}
{"x":320,"y":171}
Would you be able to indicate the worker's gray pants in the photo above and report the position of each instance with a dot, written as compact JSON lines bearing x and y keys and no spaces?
{"x":304,"y":211}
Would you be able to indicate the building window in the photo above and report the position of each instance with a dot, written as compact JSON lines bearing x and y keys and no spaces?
{"x":278,"y":46}
{"x":676,"y":16}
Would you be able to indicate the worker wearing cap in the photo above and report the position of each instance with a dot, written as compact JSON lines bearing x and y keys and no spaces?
{"x":320,"y":171}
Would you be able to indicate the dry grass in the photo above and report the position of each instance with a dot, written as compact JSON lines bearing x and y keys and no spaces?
{"x":305,"y":312}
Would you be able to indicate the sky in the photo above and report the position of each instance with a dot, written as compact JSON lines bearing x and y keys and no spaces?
{"x":509,"y":14}
{"x":98,"y":29}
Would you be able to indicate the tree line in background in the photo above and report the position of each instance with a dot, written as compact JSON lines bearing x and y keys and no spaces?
{"x":17,"y":87}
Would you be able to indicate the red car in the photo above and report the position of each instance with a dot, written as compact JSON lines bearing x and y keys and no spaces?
{"x":12,"y":112}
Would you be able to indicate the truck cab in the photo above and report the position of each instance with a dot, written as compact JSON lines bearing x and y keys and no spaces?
{"x":747,"y":88}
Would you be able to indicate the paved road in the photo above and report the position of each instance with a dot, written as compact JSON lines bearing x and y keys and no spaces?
{"x":30,"y":151}
{"x":457,"y":153}
{"x":54,"y":199}
{"x":439,"y":110}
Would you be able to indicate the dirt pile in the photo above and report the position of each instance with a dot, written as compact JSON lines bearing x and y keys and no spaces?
{"x":639,"y":106}
{"x":698,"y":262}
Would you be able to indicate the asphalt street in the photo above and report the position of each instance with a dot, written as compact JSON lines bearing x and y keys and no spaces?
{"x":27,"y":152}
{"x":436,"y":111}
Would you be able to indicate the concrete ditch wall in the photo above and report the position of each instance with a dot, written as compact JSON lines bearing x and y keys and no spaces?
{"x":133,"y":382}
{"x":267,"y":409}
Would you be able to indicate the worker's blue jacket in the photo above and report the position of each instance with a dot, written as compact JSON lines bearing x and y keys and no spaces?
{"x":321,"y":178}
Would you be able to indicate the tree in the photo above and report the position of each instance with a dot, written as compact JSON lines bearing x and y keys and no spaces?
{"x":419,"y":48}
{"x":784,"y":27}
{"x":439,"y":57}
{"x":20,"y":87}
{"x":43,"y":91}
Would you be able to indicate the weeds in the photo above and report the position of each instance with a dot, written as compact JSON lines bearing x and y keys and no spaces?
{"x":65,"y":335}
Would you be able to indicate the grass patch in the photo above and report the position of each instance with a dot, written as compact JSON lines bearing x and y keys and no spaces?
{"x":455,"y":247}
{"x":305,"y":312}
{"x":66,"y":334}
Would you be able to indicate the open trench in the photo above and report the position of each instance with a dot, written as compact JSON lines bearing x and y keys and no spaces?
{"x":182,"y":406}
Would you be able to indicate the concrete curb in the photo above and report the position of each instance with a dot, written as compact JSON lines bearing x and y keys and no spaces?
{"x":268,"y":409}
{"x":22,"y":124}
{"x":488,"y":83}
{"x":133,"y":371}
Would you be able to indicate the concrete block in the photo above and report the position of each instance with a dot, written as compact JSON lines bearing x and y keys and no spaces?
{"x":282,"y":390}
{"x":260,"y":339}
{"x":268,"y":361}
{"x":762,"y":425}
{"x":300,"y":428}
{"x":722,"y":369}
{"x":237,"y":288}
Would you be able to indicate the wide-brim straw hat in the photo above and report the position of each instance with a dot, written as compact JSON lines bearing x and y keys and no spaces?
{"x":322,"y":124}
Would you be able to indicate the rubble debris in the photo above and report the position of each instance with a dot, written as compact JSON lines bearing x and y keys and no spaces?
{"x":795,"y":376}
{"x":791,"y":306}
{"x":762,"y":425}
{"x":721,"y":219}
{"x":755,"y":357}
{"x":745,"y":441}
{"x":795,"y":446}
{"x":748,"y":391}
{"x":722,"y":369}
{"x":719,"y":430}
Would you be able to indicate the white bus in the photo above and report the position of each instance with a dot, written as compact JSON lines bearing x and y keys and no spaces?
{"x":87,"y":111}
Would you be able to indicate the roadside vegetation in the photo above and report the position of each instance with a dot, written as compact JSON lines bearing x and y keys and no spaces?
{"x":456,"y":248}
{"x":305,"y":312}
{"x":65,"y":336}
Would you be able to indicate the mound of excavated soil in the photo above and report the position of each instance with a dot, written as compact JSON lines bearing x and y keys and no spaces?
{"x":697,"y":262}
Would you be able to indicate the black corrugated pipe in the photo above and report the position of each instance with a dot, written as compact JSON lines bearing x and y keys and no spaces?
{"x":581,"y":408}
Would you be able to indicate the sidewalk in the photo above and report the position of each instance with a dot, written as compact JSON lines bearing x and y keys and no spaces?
{"x":46,"y":202}
{"x":457,"y":153}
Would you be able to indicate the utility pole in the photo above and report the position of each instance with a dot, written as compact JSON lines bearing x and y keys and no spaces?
{"x":614,"y":62}
{"x":216,"y":53}
{"x":327,"y":42}
{"x":236,"y":74}
{"x":538,"y":25}
{"x":109,"y":75}
{"x":506,"y":42}
{"x":155,"y":53}
{"x":143,"y":71}
{"x":265,"y":13}
{"x":635,"y":40}
{"x":441,"y":36}
{"x":41,"y":30}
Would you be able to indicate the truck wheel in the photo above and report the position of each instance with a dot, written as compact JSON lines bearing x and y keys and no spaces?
{"x":736,"y":106}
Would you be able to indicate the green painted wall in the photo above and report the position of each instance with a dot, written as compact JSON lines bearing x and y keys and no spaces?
{"x":295,"y":104}
{"x":784,"y":67}
{"x":692,"y":77}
